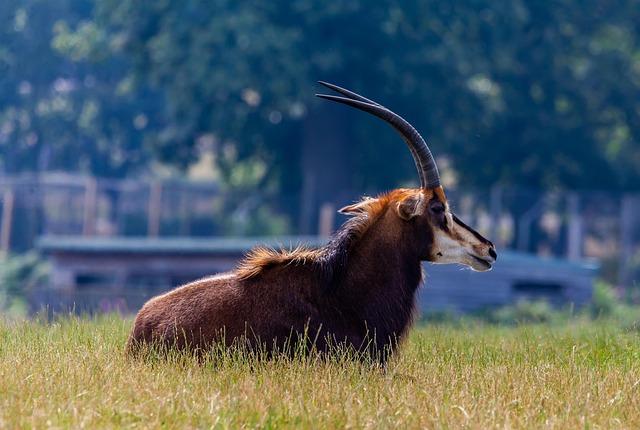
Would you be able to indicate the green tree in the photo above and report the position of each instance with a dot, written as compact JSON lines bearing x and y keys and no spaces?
{"x":244,"y":72}
{"x":65,"y":99}
{"x":536,"y":94}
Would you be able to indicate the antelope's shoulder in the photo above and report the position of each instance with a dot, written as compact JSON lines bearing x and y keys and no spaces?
{"x":261,"y":258}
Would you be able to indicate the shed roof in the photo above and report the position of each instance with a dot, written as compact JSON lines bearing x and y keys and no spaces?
{"x":237,"y":245}
{"x":168,"y":245}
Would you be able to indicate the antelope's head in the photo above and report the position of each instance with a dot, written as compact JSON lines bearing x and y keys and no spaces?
{"x":423,"y":213}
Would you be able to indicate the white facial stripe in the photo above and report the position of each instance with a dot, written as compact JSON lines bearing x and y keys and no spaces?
{"x":446,"y":249}
{"x":455,"y":246}
{"x":450,"y":222}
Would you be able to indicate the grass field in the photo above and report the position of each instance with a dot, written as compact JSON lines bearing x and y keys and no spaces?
{"x":73,"y":374}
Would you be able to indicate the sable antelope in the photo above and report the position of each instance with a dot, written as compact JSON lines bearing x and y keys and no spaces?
{"x":358,"y":290}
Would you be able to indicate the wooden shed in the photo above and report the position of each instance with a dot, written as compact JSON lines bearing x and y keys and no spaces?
{"x":92,"y":274}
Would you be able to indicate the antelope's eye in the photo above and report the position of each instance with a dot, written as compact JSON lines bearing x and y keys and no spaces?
{"x":437,"y":207}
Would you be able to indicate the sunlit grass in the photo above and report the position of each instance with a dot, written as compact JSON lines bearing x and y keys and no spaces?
{"x":73,"y":373}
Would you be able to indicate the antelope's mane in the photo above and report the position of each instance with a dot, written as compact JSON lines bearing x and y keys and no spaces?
{"x":330,"y":259}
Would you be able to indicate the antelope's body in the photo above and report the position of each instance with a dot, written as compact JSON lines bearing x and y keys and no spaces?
{"x":362,"y":283}
{"x":357,"y":291}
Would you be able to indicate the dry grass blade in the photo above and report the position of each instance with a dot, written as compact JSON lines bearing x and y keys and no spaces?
{"x":73,"y":373}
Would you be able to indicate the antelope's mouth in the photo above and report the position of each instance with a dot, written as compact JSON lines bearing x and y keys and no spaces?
{"x":482,"y":263}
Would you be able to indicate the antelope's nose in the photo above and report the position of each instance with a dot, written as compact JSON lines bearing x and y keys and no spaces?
{"x":492,"y":253}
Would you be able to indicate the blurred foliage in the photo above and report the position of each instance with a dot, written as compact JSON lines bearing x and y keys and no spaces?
{"x":18,"y":274}
{"x":634,"y":276}
{"x":528,"y":93}
{"x":604,"y":302}
{"x":524,"y":312}
{"x":64,"y":99}
{"x":605,"y":306}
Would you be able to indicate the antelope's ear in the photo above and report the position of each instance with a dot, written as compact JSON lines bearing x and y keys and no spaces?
{"x":357,"y":208}
{"x":410,"y":207}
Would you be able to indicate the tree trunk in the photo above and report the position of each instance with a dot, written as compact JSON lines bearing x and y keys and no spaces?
{"x":325,"y":164}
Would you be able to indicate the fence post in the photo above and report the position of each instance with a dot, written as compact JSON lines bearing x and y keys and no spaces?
{"x":626,"y":238}
{"x":495,"y":203}
{"x":525,"y":222}
{"x":185,"y":224}
{"x":90,"y":203}
{"x":8,"y":200}
{"x":574,"y":233}
{"x":155,"y":208}
{"x":327,"y":215}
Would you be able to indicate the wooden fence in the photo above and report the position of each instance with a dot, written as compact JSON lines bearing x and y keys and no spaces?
{"x":572,"y":225}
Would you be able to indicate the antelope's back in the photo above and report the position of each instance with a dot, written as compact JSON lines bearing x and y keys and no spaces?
{"x":193,"y":313}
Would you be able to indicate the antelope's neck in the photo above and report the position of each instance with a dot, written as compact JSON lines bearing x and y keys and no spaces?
{"x":380,"y":284}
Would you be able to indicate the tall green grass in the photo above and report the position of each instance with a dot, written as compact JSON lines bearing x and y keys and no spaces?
{"x":73,"y":373}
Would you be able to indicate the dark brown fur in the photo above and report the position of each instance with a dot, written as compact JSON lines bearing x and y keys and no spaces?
{"x":358,"y":290}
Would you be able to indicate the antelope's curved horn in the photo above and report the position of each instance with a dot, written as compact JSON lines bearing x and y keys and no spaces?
{"x":355,"y":96}
{"x":347,"y":93}
{"x":426,"y":165}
